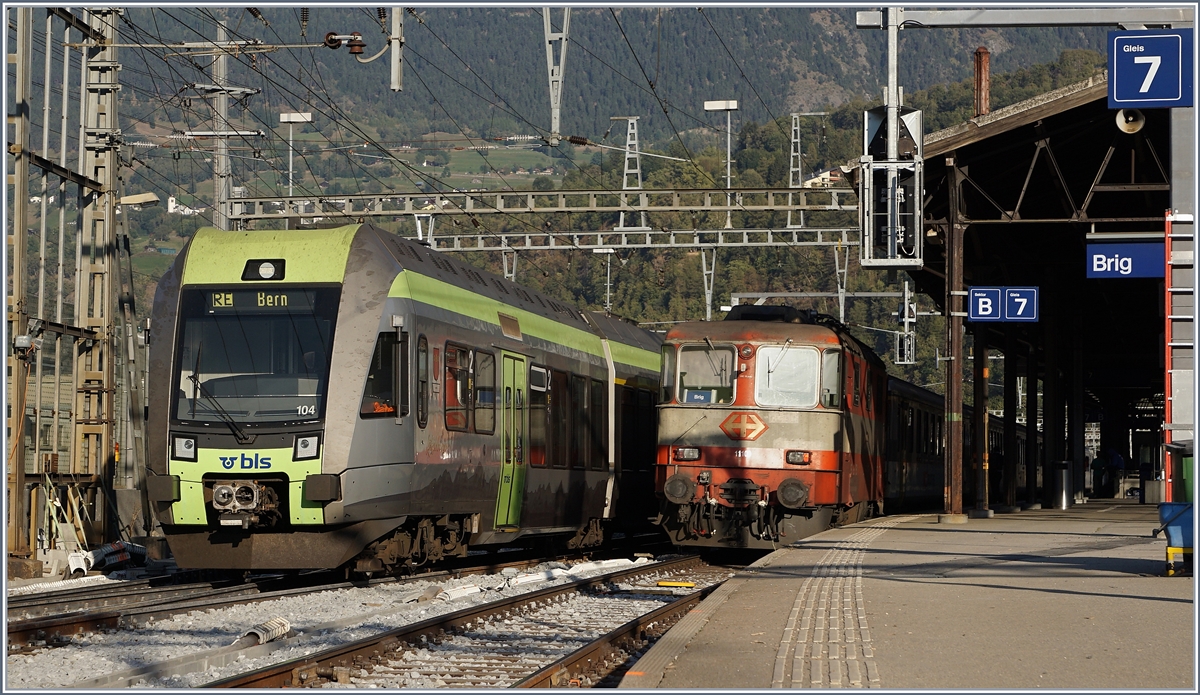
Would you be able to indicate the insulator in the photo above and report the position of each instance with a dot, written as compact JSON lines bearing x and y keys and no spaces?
{"x":356,"y":44}
{"x":577,"y":140}
{"x":271,"y":629}
{"x":258,"y":15}
{"x":332,"y":41}
{"x":303,"y":21}
{"x":381,"y":12}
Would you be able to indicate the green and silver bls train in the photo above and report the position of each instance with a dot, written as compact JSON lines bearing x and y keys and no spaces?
{"x":351,"y":398}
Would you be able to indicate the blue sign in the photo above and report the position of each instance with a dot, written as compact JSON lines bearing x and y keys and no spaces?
{"x":1150,"y":69}
{"x":1002,"y":304}
{"x":1125,"y":260}
{"x":1020,"y":304}
{"x":983,"y":304}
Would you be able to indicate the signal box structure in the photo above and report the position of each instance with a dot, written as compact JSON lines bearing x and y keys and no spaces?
{"x":890,"y":191}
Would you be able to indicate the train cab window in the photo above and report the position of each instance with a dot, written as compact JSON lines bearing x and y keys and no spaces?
{"x":786,"y":375}
{"x":578,"y":422}
{"x":599,"y":426}
{"x":539,"y":385}
{"x":485,"y":392}
{"x":668,"y":374}
{"x":422,"y":382}
{"x":706,"y":374}
{"x":458,"y":390}
{"x":378,"y":396}
{"x":831,"y":378}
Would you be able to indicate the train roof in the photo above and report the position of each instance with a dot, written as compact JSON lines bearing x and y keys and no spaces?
{"x":218,"y":256}
{"x":914,"y":392}
{"x":745,"y":331}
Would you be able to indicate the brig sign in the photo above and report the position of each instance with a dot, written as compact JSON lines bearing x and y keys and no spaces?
{"x":1125,"y":260}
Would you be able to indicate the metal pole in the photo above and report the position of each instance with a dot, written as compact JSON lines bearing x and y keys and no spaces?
{"x":1010,"y":417}
{"x":41,"y":302}
{"x":893,"y":129}
{"x":980,"y":440}
{"x":1051,"y":406}
{"x":18,"y":311}
{"x":1031,"y":426}
{"x":608,"y":286}
{"x":728,"y":177}
{"x":291,"y":153}
{"x":954,"y":344}
{"x":221,"y":123}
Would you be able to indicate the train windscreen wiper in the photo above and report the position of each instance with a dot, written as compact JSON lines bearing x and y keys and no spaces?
{"x":194,"y":377}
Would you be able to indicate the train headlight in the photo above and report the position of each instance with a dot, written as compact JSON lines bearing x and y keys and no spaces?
{"x":263,"y":269}
{"x":222,"y":496}
{"x":306,"y":446}
{"x":802,"y":458}
{"x":687,"y":453}
{"x":679,"y":488}
{"x":184,"y":448}
{"x":792,"y":493}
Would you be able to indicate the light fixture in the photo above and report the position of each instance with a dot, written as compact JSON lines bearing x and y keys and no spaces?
{"x":799,"y":457}
{"x":184,"y":448}
{"x":687,"y":453}
{"x":263,"y":269}
{"x":306,"y":446}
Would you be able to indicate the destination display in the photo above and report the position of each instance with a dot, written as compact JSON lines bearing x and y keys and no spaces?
{"x":281,"y":300}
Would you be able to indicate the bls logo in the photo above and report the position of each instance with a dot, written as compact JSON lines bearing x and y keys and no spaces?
{"x":260,"y":462}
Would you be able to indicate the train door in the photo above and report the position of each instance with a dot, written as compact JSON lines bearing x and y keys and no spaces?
{"x":512,"y":441}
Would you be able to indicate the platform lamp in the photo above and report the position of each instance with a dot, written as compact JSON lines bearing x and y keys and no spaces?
{"x":728,"y":107}
{"x":291,"y":119}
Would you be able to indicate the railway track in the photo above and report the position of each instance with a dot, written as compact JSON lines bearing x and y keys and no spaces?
{"x":51,"y":619}
{"x":573,"y":634}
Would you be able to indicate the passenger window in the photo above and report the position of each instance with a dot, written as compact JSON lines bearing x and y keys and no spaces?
{"x":458,"y":387}
{"x":539,"y":383}
{"x":578,"y":428}
{"x":599,"y":428}
{"x":485,"y":392}
{"x":378,"y":398}
{"x":560,"y":419}
{"x":402,"y":359}
{"x":422,"y":382}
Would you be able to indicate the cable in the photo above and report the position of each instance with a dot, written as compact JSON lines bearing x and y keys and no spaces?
{"x":661,"y":105}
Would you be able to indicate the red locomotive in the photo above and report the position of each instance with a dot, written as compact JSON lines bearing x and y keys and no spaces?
{"x":771,"y":427}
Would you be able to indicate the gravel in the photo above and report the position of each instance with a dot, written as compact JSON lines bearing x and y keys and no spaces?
{"x":326,"y":619}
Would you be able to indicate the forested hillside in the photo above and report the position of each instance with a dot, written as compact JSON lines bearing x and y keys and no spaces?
{"x":481,"y":73}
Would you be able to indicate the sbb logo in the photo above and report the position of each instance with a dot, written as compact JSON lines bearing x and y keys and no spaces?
{"x":257,"y":462}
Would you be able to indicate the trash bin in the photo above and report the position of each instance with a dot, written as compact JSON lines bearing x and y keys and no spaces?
{"x":1176,"y":519}
{"x":1062,"y":484}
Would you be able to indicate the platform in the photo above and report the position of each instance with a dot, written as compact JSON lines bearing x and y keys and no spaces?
{"x":1044,"y":598}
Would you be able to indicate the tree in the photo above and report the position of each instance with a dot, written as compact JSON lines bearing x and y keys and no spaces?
{"x":543,"y":183}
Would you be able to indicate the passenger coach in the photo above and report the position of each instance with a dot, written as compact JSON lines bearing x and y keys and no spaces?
{"x":347,"y":397}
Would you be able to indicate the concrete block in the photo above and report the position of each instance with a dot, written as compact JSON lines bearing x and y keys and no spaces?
{"x":24,"y":568}
{"x":1006,"y":509}
{"x":980,"y":513}
{"x":952,"y":518}
{"x":1031,"y":505}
